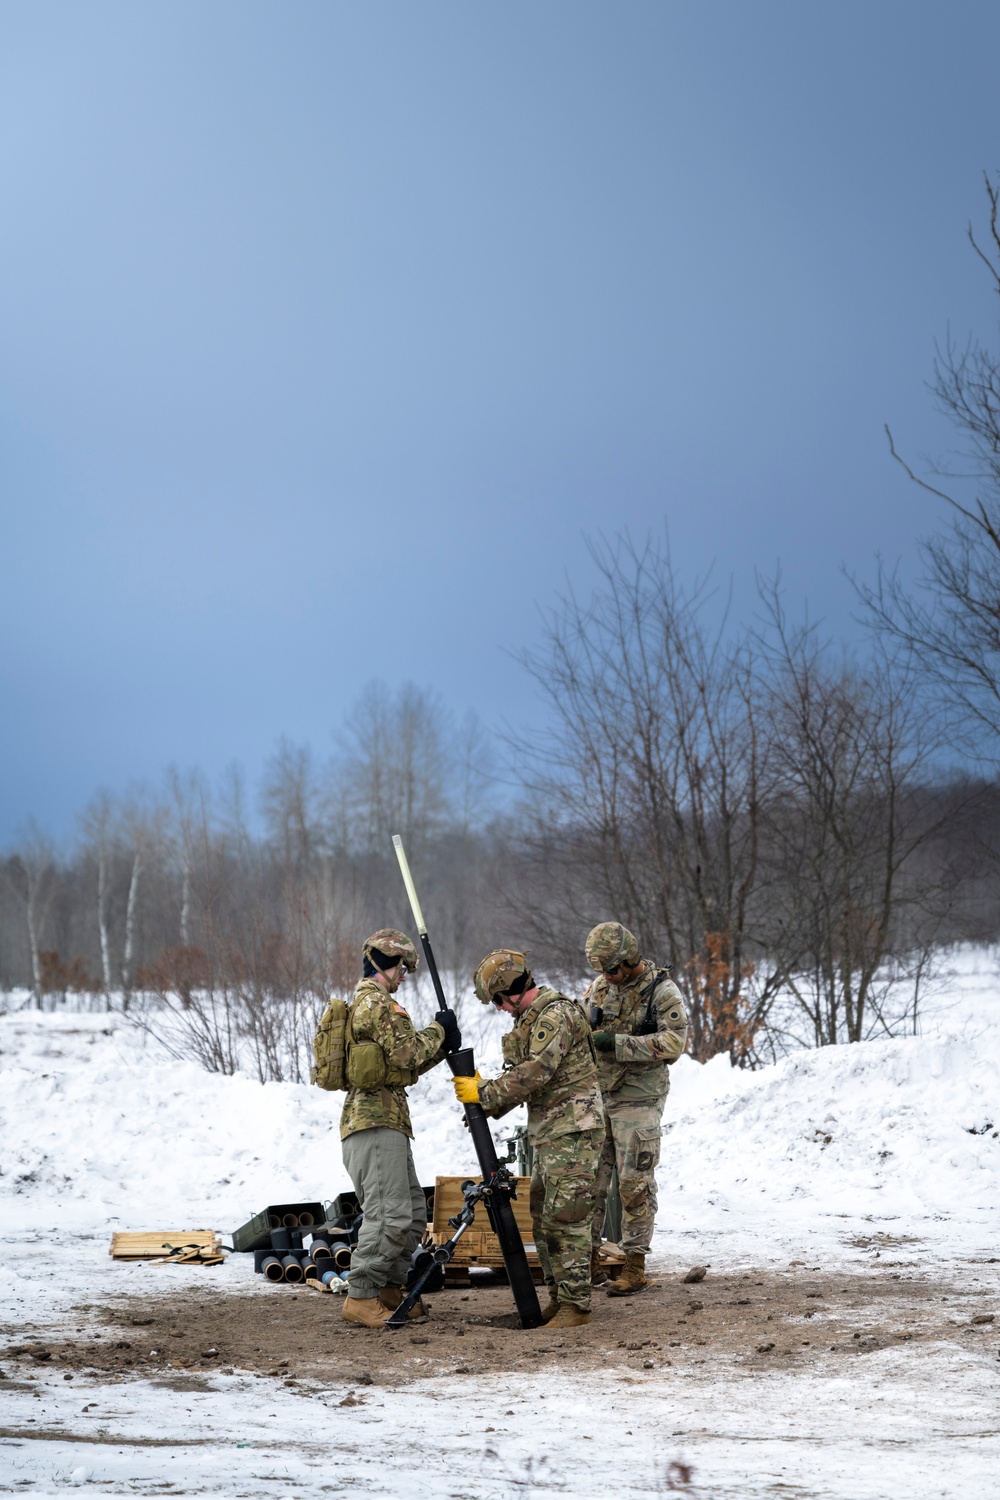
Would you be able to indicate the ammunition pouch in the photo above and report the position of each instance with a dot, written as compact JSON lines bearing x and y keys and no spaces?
{"x":366,"y":1067}
{"x":512,"y":1049}
{"x":401,"y":1077}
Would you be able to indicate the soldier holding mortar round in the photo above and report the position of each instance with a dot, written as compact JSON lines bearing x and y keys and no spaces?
{"x":549,"y":1064}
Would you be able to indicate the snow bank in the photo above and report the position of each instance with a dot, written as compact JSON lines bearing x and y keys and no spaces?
{"x":100,"y":1128}
{"x":805,"y":1153}
{"x":833,"y":1155}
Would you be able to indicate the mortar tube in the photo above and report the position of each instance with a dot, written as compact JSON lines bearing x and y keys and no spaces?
{"x":272,"y":1268}
{"x":498,"y":1206}
{"x":293,"y":1269}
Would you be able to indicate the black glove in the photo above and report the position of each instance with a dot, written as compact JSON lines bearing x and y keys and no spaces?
{"x":604,"y":1041}
{"x":452,"y":1036}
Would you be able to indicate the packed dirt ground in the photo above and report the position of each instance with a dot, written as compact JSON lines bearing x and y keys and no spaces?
{"x":749,"y":1319}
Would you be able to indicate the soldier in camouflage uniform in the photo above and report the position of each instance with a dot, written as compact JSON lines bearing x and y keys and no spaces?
{"x":385,"y":1055}
{"x":641,"y":1030}
{"x":549,"y":1064}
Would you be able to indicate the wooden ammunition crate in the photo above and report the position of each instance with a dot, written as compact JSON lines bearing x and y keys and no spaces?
{"x":157,"y":1244}
{"x":478,"y":1246}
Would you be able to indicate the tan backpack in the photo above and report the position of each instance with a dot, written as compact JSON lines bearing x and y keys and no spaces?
{"x":330,"y":1047}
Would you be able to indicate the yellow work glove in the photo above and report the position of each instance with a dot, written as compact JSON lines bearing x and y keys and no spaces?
{"x":467,"y":1089}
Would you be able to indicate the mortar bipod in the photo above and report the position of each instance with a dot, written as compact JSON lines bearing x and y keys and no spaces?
{"x":426,"y":1261}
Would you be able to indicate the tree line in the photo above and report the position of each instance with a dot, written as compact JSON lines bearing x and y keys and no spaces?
{"x":770,"y":819}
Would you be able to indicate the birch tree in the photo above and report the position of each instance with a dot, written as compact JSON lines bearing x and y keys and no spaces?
{"x":98,"y":825}
{"x":141,"y":834}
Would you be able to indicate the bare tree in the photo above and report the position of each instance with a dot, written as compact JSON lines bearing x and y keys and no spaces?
{"x":290,"y":801}
{"x":953,"y":620}
{"x":30,"y":874}
{"x":646,"y":792}
{"x":848,"y":913}
{"x":396,"y":767}
{"x":98,"y":827}
{"x":189,"y":823}
{"x":141,"y":832}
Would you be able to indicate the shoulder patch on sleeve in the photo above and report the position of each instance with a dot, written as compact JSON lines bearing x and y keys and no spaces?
{"x":398,"y":1009}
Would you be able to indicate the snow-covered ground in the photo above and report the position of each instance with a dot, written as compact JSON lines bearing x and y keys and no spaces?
{"x":830,"y":1157}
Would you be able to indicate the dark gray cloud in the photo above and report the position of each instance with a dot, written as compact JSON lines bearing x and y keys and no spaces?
{"x":329,"y":332}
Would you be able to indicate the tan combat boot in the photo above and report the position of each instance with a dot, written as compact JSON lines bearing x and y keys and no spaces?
{"x":551,"y":1307}
{"x":569,"y":1316}
{"x":598,"y":1272}
{"x":391,"y":1296}
{"x":633,"y":1277}
{"x":366,"y":1312}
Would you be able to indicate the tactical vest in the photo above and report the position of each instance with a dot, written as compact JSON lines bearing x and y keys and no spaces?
{"x":578,"y":1069}
{"x":633,"y":1014}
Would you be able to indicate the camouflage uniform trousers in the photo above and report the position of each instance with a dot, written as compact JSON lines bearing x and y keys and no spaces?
{"x":632,"y":1143}
{"x":562,"y":1201}
{"x":381,"y":1168}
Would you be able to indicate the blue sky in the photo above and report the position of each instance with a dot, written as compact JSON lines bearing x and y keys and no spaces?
{"x":330,"y":333}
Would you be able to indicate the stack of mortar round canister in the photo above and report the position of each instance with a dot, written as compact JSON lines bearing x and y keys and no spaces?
{"x":326,"y":1261}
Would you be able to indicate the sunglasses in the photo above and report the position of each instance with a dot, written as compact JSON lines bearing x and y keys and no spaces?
{"x":615,"y":969}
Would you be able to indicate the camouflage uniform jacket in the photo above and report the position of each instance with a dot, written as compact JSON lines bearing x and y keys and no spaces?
{"x":377,"y":1016}
{"x":638,"y":1067}
{"x":548,"y":1064}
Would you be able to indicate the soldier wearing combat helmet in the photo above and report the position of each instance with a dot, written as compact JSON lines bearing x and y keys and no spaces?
{"x":385,"y":1055}
{"x":549,"y":1064}
{"x":641,"y":1028}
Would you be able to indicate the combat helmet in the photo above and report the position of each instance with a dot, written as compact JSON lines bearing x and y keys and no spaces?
{"x":387,"y":947}
{"x":609,"y":944}
{"x":500,"y":972}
